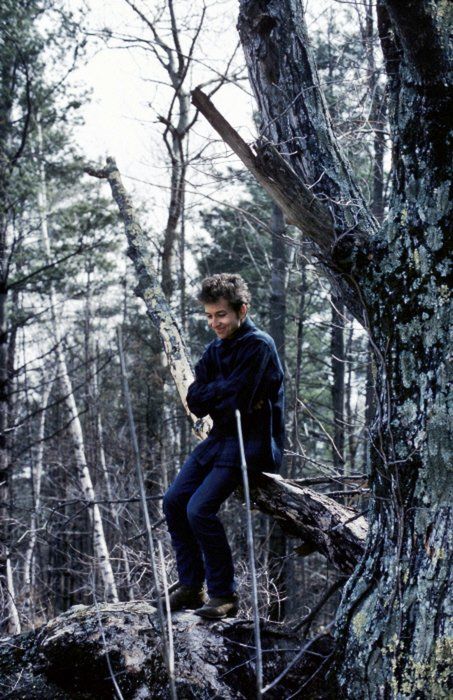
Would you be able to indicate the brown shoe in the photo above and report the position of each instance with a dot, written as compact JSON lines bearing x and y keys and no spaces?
{"x":185,"y":598}
{"x":218,"y":608}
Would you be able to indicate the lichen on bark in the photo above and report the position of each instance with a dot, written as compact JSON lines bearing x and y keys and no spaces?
{"x":394,"y":609}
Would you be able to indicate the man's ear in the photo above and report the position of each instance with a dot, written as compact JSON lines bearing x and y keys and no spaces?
{"x":243,"y":311}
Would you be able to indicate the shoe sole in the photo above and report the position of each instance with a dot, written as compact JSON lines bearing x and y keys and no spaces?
{"x":180,"y":609}
{"x":217,"y":617}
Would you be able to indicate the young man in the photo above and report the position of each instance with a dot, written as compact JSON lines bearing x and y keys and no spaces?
{"x":239,"y":369}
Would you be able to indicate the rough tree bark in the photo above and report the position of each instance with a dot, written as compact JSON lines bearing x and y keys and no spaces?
{"x":325,"y":526}
{"x":79,"y":653}
{"x":393,"y":629}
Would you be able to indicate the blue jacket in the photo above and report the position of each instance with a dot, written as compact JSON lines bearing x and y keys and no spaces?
{"x":243,"y":372}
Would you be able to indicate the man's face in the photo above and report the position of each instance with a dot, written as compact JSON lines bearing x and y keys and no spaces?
{"x":223,"y":319}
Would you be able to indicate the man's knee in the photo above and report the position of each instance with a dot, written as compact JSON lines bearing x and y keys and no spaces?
{"x":196,"y":513}
{"x":171,"y":501}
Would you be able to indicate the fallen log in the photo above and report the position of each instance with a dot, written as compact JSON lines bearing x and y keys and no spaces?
{"x":114,"y":650}
{"x":336,"y":531}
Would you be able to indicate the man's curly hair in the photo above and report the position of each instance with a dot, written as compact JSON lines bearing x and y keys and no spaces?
{"x":229,"y":286}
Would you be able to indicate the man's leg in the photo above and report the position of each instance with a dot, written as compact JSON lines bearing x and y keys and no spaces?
{"x":202,"y":510}
{"x":189,"y":561}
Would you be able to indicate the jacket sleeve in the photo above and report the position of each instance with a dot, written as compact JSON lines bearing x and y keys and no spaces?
{"x":201,"y":392}
{"x":222,"y":397}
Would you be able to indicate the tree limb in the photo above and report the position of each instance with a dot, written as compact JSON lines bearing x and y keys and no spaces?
{"x":300,"y":205}
{"x":149,"y":289}
{"x":297,"y":201}
{"x":325,"y":526}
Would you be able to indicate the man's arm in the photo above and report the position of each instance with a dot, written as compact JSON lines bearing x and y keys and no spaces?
{"x":202,"y":392}
{"x":223,"y":396}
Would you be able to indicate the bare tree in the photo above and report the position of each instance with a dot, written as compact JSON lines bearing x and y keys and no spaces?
{"x":172,"y":37}
{"x":74,"y":426}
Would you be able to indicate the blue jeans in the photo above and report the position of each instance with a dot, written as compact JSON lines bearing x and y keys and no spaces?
{"x":190,"y":506}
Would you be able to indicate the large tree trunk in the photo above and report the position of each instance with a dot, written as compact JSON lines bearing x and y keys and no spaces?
{"x":393,"y":626}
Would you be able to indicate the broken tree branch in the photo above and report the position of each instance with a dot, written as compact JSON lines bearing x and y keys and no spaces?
{"x":298,"y":203}
{"x":334,"y":530}
{"x":149,"y":289}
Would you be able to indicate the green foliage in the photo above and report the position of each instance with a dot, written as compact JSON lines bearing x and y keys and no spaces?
{"x":348,"y":58}
{"x":241,"y":242}
{"x":38,"y":39}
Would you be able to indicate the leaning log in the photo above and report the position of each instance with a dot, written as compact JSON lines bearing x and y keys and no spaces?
{"x":150,"y":290}
{"x":114,"y":650}
{"x":325,"y":526}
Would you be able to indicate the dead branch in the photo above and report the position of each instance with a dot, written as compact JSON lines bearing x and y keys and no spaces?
{"x":325,"y":526}
{"x":298,"y":203}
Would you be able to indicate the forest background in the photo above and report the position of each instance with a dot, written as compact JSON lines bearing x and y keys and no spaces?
{"x":74,"y":529}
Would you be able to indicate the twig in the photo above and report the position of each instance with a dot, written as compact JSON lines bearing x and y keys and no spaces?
{"x":329,"y":479}
{"x":309,"y":680}
{"x":294,"y":661}
{"x":171,"y":652}
{"x":250,"y":545}
{"x":311,"y":616}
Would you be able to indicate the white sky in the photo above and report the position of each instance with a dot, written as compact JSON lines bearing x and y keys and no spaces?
{"x":119,"y":120}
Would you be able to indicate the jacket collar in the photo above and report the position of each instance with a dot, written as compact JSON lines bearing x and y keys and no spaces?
{"x":246,"y":326}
